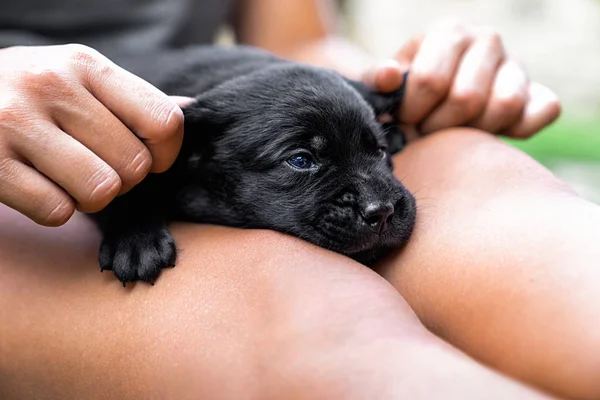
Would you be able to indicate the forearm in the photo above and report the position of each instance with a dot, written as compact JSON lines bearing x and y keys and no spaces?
{"x":300,"y":30}
{"x":504,"y":261}
{"x":333,"y":52}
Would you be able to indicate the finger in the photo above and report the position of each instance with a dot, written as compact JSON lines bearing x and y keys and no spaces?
{"x":542,"y":109}
{"x":32,"y":194}
{"x":471,"y":87}
{"x":94,"y":126}
{"x":432,"y":71}
{"x":144,"y":109}
{"x":71,"y":165}
{"x":407,"y":53}
{"x":509,"y":96}
{"x":385,"y":77}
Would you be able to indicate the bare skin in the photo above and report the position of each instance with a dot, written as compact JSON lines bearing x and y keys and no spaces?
{"x":504,"y":261}
{"x":272,"y":316}
{"x":74,"y":133}
{"x":324,"y":326}
{"x":460,"y":74}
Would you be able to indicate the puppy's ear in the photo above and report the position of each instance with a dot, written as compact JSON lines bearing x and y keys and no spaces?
{"x":204,"y":121}
{"x":209,"y":115}
{"x":384,"y":104}
{"x":386,"y":107}
{"x":206,"y":110}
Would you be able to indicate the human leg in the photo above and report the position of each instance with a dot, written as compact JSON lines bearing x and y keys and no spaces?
{"x":245,"y":314}
{"x":504,"y":262}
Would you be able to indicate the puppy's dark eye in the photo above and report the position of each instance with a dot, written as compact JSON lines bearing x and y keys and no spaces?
{"x":302,"y":161}
{"x":383,"y":151}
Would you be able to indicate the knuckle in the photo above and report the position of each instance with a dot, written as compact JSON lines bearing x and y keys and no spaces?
{"x":512,"y":104}
{"x":83,"y":59}
{"x":469,"y":102}
{"x":44,"y":82}
{"x":51,"y":209}
{"x":81,"y":54}
{"x":10,"y":114}
{"x":8,"y":167}
{"x":104,"y":184}
{"x":138,"y":167}
{"x":432,"y":84}
{"x":492,"y":39}
{"x":60,"y":212}
{"x":169,"y":121}
{"x":456,"y":31}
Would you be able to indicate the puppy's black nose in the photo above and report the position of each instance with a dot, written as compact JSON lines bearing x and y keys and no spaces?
{"x":377,"y":215}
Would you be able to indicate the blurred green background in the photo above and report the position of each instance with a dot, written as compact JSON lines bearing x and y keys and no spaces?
{"x":558,"y":41}
{"x":571,"y":148}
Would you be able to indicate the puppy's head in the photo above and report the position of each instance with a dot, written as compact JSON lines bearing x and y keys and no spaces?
{"x":299,"y":150}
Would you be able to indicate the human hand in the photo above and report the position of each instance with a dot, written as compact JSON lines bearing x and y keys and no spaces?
{"x":461,"y":76}
{"x":76,"y":130}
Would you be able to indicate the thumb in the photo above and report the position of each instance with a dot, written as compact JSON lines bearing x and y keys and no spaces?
{"x":386,"y":76}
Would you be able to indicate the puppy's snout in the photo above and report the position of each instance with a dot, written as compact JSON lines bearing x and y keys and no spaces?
{"x":377,"y":215}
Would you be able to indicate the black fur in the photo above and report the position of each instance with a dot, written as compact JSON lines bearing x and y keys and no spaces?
{"x":253,"y":113}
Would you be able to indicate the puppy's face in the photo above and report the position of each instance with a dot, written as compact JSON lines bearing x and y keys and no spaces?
{"x":298,"y":150}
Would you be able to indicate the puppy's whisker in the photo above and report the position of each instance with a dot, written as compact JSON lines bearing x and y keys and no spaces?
{"x":403,"y":177}
{"x":422,"y":199}
{"x":419,"y":190}
{"x":426,"y":207}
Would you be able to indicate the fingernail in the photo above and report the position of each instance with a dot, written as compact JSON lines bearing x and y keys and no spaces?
{"x":182,"y":101}
{"x":391,"y":63}
{"x":368,"y":76}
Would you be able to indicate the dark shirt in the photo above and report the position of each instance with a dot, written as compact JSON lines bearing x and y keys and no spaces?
{"x":112,"y":26}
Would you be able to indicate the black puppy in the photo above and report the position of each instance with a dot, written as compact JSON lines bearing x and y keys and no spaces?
{"x":268,"y":144}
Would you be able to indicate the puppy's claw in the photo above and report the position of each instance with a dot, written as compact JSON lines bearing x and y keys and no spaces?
{"x":138,"y":256}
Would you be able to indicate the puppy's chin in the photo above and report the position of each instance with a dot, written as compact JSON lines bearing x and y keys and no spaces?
{"x":366,"y":250}
{"x":369,"y":255}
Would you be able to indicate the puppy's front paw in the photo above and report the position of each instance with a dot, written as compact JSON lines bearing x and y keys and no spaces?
{"x":138,"y":255}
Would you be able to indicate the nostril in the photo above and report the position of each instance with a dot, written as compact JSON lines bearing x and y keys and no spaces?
{"x":373,"y":221}
{"x":377,"y":214}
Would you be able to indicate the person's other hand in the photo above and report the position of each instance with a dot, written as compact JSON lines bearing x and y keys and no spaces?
{"x":76,"y":130}
{"x":461,"y":76}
